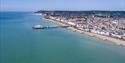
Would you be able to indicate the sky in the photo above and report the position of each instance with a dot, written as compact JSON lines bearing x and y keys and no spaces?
{"x":75,"y":5}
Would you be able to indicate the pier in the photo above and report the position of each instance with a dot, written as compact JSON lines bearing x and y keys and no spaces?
{"x":49,"y":27}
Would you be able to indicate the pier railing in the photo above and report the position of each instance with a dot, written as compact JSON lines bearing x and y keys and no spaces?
{"x":52,"y":27}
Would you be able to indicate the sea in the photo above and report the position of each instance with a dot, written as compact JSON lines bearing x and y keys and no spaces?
{"x":19,"y":43}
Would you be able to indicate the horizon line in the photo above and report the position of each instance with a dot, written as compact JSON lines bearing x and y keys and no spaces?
{"x":54,"y":10}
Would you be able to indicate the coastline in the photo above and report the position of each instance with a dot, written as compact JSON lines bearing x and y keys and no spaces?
{"x":102,"y":37}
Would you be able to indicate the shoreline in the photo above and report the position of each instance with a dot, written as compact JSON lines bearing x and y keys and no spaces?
{"x":102,"y":37}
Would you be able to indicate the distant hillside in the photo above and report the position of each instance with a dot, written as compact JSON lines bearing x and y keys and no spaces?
{"x":80,"y":13}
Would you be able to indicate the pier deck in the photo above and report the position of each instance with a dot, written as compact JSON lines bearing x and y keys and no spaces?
{"x":53,"y":27}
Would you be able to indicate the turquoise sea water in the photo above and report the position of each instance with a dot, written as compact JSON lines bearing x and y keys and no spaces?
{"x":19,"y":43}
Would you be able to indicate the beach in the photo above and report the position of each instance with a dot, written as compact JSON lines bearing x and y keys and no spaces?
{"x":102,"y":37}
{"x":22,"y":44}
